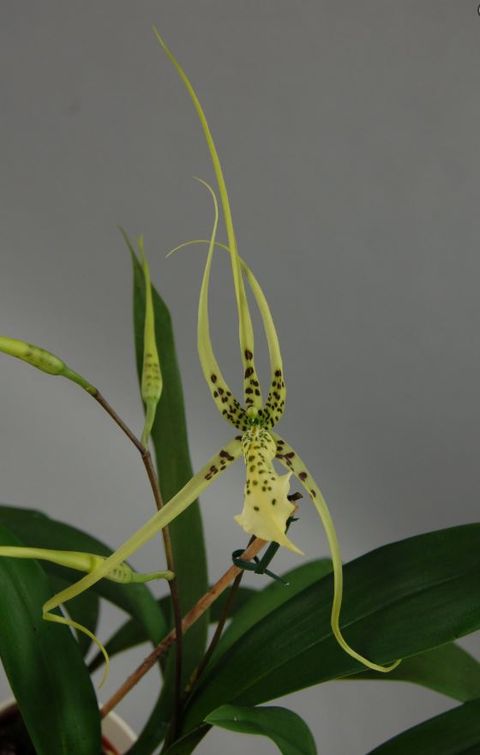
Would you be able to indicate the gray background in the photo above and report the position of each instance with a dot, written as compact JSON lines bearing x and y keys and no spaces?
{"x":349,"y":134}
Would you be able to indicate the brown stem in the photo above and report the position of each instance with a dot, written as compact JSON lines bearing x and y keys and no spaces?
{"x":189,"y":619}
{"x":167,"y":541}
{"x":226,"y":612}
{"x":217,"y":634}
{"x":173,"y":585}
{"x":119,"y":421}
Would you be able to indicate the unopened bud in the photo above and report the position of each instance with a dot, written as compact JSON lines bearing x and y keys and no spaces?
{"x":43,"y":360}
{"x":152,"y":383}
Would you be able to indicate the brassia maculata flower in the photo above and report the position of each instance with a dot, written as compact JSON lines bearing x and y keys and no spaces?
{"x":266,"y":507}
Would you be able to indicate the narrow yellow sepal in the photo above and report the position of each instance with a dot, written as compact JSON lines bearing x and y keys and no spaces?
{"x":184,"y":498}
{"x":226,"y":403}
{"x":274,"y":407}
{"x":252,"y":397}
{"x":84,"y":562}
{"x":291,"y":460}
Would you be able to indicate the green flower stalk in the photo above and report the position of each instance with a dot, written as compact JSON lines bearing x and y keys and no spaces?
{"x":266,"y":507}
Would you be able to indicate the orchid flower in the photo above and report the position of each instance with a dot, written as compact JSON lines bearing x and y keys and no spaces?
{"x":266,"y":507}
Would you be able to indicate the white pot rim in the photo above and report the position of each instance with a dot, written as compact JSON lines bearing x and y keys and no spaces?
{"x":118,"y":732}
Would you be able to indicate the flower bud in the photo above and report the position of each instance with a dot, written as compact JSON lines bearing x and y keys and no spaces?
{"x":152,"y":384}
{"x":43,"y":360}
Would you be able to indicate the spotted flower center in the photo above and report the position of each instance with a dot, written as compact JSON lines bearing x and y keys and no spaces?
{"x":266,"y":507}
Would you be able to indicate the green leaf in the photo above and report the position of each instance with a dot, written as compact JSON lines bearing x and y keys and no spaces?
{"x":186,"y":744}
{"x":456,"y":732}
{"x":448,"y":669}
{"x":242,"y":597}
{"x":259,"y":604}
{"x":84,"y":609}
{"x":44,"y":664}
{"x":169,"y":436}
{"x":289,"y":732}
{"x":274,"y":595}
{"x":400,"y":600}
{"x":152,"y":733}
{"x":35,"y":529}
{"x":132,"y":633}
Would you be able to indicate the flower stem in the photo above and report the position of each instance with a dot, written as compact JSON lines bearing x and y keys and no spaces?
{"x":226,"y":612}
{"x":167,"y":541}
{"x":189,"y":619}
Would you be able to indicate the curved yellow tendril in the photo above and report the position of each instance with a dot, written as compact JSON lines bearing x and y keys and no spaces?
{"x":290,"y":459}
{"x":85,"y":562}
{"x":226,"y":403}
